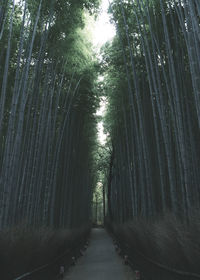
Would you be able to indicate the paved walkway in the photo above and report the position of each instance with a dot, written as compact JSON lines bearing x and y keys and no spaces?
{"x":100,"y":261}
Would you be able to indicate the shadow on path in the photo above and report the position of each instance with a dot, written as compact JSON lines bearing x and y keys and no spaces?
{"x":100,"y":261}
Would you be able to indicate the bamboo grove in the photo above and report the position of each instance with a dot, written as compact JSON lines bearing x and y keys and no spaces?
{"x":48,"y":100}
{"x":47,"y":106}
{"x":152,"y":84}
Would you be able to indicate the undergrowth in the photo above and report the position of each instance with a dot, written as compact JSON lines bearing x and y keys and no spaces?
{"x":167,"y":242}
{"x":23,"y":250}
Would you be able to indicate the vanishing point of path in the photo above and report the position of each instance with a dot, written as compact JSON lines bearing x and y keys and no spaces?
{"x":100,"y":261}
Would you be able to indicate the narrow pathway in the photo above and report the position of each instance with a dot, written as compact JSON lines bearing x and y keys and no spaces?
{"x":100,"y":261}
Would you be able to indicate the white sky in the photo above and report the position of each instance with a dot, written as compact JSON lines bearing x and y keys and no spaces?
{"x":103,"y":30}
{"x":100,"y":112}
{"x":101,"y":135}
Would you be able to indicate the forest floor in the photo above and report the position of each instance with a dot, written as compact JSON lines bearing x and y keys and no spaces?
{"x":100,"y":261}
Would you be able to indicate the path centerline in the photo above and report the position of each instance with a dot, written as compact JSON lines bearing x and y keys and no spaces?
{"x":100,"y":261}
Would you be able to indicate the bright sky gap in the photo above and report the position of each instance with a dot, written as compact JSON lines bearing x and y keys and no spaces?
{"x":103,"y":31}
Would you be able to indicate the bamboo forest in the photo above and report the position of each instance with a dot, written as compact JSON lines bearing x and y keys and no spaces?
{"x":58,"y":179}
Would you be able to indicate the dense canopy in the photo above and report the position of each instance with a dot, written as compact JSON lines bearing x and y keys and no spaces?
{"x":47,"y":105}
{"x":53,"y":168}
{"x":152,"y":84}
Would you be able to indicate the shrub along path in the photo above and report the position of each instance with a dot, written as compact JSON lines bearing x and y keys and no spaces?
{"x":100,"y":261}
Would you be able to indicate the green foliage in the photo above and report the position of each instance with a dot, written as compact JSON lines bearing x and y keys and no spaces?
{"x":48,"y":104}
{"x":151,"y":69}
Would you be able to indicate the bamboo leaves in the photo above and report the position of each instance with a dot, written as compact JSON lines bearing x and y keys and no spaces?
{"x":160,"y":44}
{"x":45,"y":105}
